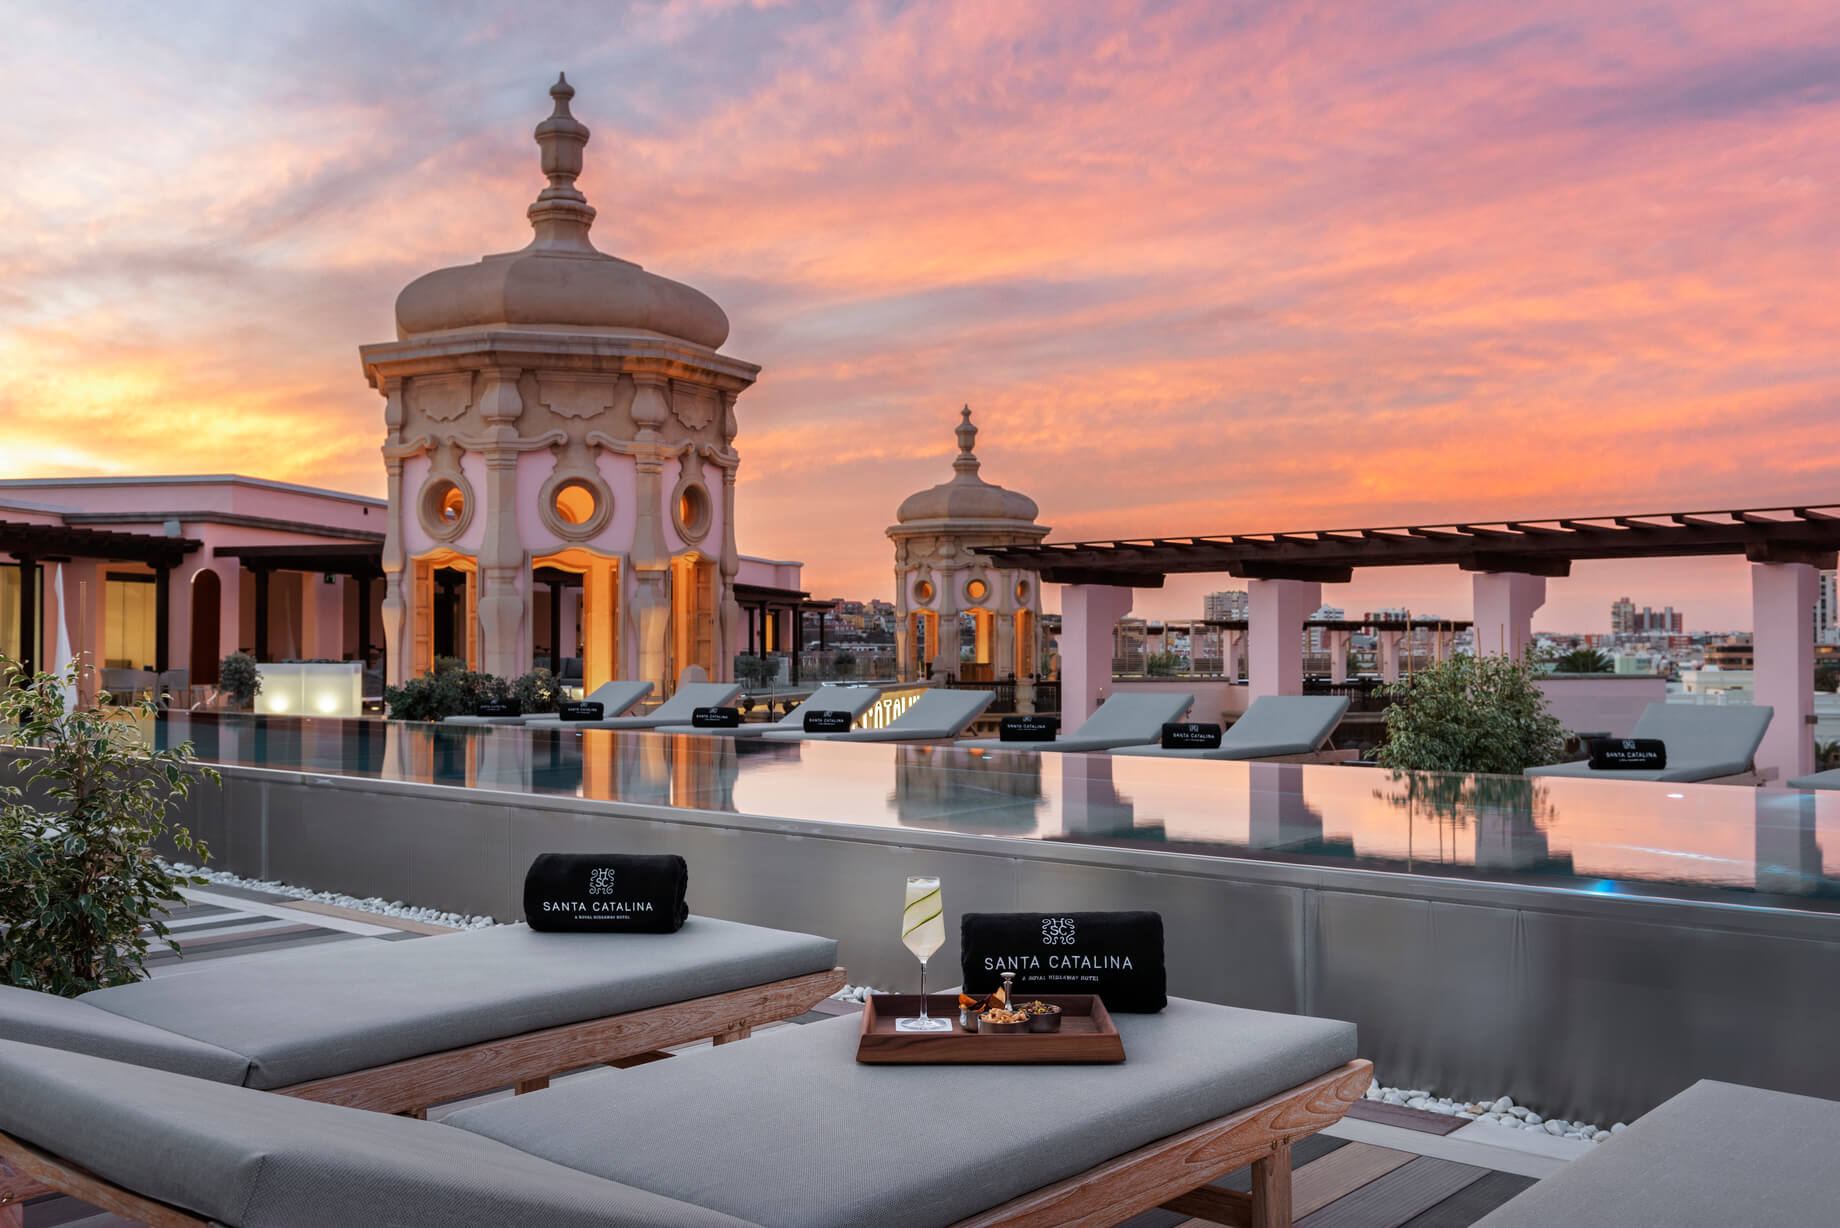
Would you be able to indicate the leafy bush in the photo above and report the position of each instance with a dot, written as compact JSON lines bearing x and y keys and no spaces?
{"x":81,"y":892}
{"x":1162,"y":664}
{"x":1470,"y":714}
{"x":756,"y":672}
{"x":1827,"y":677}
{"x":448,"y":692}
{"x":238,"y":678}
{"x":450,"y":665}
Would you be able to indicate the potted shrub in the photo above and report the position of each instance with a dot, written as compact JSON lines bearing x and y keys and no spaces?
{"x":238,"y":678}
{"x":1470,"y":714}
{"x":82,"y":892}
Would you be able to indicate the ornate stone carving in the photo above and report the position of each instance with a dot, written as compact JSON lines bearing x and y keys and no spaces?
{"x":444,"y":397}
{"x":576,"y":396}
{"x":694,"y":407}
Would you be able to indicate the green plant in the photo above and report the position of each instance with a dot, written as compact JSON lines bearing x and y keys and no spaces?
{"x":843,"y":665}
{"x":82,"y":893}
{"x":1826,"y":756}
{"x":436,"y":694}
{"x":535,"y":691}
{"x":1162,"y":664}
{"x":1827,"y":677}
{"x":238,"y":678}
{"x":756,"y":672}
{"x":1470,"y":714}
{"x":450,"y":665}
{"x":1583,"y":661}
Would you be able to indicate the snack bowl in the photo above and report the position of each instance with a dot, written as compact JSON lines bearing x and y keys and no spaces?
{"x":968,"y":1020}
{"x":987,"y":1027}
{"x":1048,"y":1021}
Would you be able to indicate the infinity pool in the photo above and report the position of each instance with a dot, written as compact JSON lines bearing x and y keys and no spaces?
{"x":1748,"y":847}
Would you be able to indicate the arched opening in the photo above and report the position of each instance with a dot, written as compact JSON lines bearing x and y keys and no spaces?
{"x":445,"y":611}
{"x":693,"y":614}
{"x":575,"y":503}
{"x":577,"y":611}
{"x":207,"y":610}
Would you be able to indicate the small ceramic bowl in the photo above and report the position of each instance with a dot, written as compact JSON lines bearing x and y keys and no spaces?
{"x":968,"y":1020}
{"x":1050,"y":1022}
{"x":987,"y":1027}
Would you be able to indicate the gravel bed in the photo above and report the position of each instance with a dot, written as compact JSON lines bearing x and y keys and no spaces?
{"x":384,"y":908}
{"x":1501,"y":1111}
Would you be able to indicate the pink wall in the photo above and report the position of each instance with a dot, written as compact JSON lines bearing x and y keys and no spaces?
{"x":1607,"y":704}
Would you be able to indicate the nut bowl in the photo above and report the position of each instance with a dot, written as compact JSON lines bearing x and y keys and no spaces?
{"x":988,"y":1027}
{"x":1047,"y":1021}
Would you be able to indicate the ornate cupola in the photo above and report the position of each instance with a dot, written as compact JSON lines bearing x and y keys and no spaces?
{"x":938,"y":577}
{"x":560,"y":455}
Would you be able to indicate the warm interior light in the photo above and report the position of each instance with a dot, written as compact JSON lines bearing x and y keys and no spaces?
{"x":575,"y":503}
{"x":277,"y":702}
{"x":453,"y":504}
{"x":327,"y":703}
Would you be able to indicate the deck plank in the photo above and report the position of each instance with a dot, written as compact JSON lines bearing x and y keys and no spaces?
{"x":1390,"y":1202}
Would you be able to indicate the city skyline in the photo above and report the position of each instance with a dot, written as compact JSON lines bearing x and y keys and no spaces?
{"x":1196,"y":271}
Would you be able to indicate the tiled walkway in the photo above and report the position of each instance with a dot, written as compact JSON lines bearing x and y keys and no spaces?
{"x":1383,"y":1167}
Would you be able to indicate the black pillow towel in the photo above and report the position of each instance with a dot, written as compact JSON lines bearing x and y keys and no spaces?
{"x":1116,"y":955}
{"x":1628,"y":754}
{"x":606,"y":893}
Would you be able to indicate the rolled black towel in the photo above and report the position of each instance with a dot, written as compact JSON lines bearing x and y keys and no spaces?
{"x":1191,"y":735}
{"x":1628,"y":754}
{"x":606,"y":893}
{"x":581,"y":710}
{"x":1028,"y":728}
{"x":1116,"y":955}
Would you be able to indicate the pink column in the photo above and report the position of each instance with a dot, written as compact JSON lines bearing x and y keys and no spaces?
{"x":322,"y":617}
{"x":1088,"y":612}
{"x":1390,"y":643}
{"x":1504,"y":606}
{"x":1782,"y":630}
{"x":1338,"y":655}
{"x":1274,"y":664}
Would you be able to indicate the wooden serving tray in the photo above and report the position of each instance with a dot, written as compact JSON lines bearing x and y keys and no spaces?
{"x":1087,"y":1034}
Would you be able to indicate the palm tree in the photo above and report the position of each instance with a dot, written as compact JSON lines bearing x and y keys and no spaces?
{"x":1583,"y":661}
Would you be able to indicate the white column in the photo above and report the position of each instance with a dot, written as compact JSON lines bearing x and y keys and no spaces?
{"x":1278,"y":608}
{"x":1504,"y":606}
{"x":1088,"y":612}
{"x":1782,"y":631}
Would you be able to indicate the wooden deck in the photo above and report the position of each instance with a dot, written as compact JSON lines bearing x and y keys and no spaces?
{"x":1399,"y":1172}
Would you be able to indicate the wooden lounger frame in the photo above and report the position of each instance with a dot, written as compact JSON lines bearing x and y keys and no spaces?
{"x":1174,"y":1173}
{"x":527,"y":1062}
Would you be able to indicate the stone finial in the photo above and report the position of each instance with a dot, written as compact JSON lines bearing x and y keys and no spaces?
{"x":561,"y":215}
{"x":967,"y":461}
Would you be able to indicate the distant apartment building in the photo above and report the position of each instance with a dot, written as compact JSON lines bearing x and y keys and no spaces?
{"x":1732,"y":654}
{"x":1222,"y":607}
{"x":1625,"y":619}
{"x":1826,"y":628}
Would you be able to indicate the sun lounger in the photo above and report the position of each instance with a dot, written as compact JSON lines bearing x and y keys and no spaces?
{"x":1128,"y":718}
{"x":1716,"y":1154}
{"x":1829,"y":779}
{"x":672,"y":711}
{"x":1704,"y":744}
{"x":852,"y":699}
{"x":785,"y":1130}
{"x":396,"y":1026}
{"x":939,"y":715}
{"x":1283,"y":728}
{"x":615,"y":699}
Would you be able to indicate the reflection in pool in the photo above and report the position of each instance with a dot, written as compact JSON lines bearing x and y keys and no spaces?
{"x":1739,"y":846}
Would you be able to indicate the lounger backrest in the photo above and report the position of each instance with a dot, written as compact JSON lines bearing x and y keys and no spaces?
{"x":66,"y":1023}
{"x":852,"y":699}
{"x":1695,"y":734}
{"x":1304,"y":721}
{"x":678,"y":709}
{"x":942,"y":711}
{"x":1140,"y":715}
{"x":617,"y":696}
{"x":242,"y":1157}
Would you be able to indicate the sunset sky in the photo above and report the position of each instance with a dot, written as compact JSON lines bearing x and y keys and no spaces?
{"x":1197,"y":267}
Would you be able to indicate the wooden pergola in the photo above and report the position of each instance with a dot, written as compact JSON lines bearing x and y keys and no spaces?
{"x":32,"y":545}
{"x":361,"y":561}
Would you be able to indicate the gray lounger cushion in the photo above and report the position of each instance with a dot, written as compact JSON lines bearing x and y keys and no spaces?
{"x":1128,"y":718}
{"x":938,"y":713}
{"x":1272,"y":725}
{"x":806,"y":1137}
{"x":65,"y":1023}
{"x":852,"y":699}
{"x":348,"y":1006}
{"x":1702,"y":742}
{"x":614,"y":697}
{"x":1717,"y":1154}
{"x":253,"y":1160}
{"x":672,"y":711}
{"x":1819,"y":780}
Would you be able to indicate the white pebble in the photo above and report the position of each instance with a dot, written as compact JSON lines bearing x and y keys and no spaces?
{"x":1504,"y":1105}
{"x":1602,"y":1136}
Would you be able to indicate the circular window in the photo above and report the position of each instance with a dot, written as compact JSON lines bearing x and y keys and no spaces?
{"x":445,"y":510}
{"x":1022,"y":592}
{"x":692,"y":512}
{"x":575,"y":503}
{"x":977,"y":590}
{"x":923,"y":592}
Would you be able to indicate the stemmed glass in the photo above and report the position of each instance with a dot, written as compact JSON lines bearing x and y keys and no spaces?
{"x":923,"y":931}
